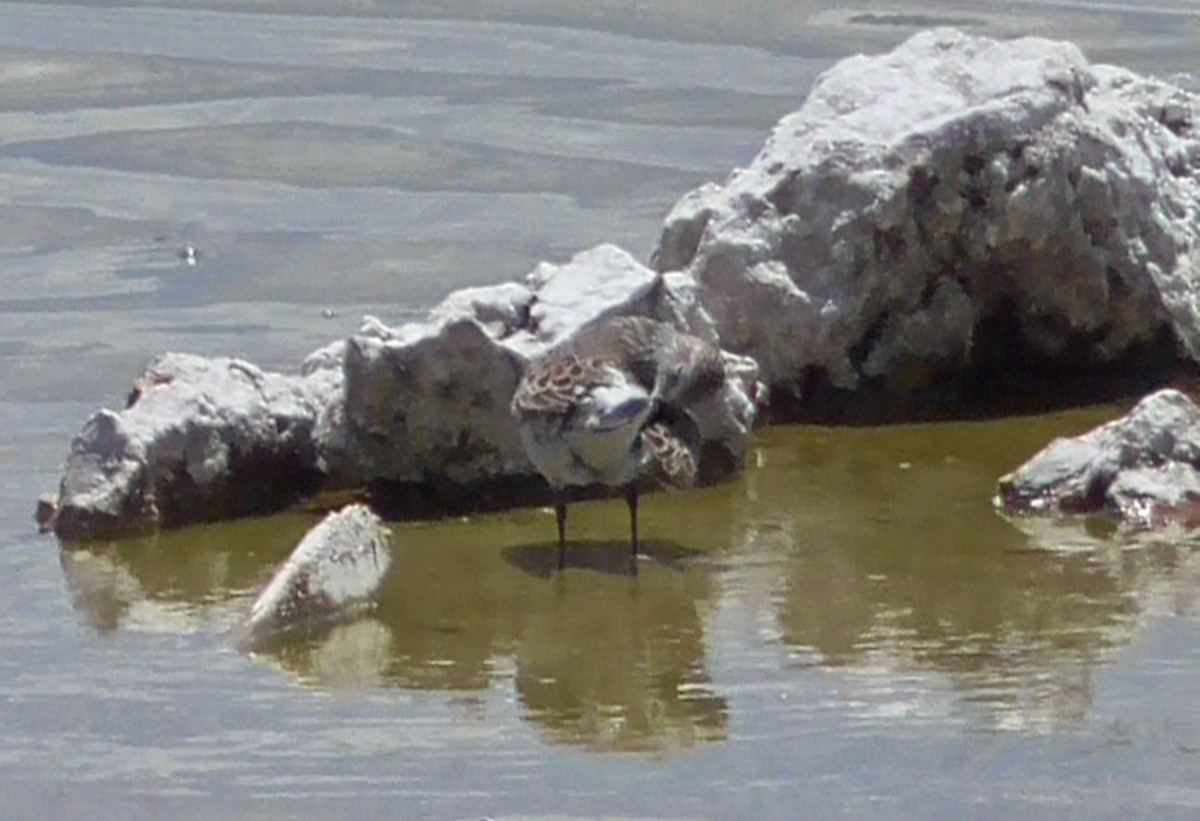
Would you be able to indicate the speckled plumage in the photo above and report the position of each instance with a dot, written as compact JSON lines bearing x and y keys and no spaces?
{"x":612,"y":406}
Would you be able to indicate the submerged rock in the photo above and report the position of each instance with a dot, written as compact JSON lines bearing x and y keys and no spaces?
{"x":428,"y":403}
{"x":201,"y":439}
{"x":958,"y":207}
{"x":333,"y":573}
{"x":1144,"y":468}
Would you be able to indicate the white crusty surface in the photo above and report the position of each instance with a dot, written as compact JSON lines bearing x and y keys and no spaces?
{"x":1143,"y":467}
{"x":431,"y":400}
{"x":919,"y":191}
{"x":334,"y":571}
{"x":202,"y":438}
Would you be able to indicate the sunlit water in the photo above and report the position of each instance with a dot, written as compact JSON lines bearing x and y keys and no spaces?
{"x":849,"y":630}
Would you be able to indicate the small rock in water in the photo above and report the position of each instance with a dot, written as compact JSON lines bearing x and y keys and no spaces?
{"x":47,"y":509}
{"x":334,"y":571}
{"x":1143,"y":467}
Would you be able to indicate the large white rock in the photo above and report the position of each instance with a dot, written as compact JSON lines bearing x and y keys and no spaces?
{"x":428,"y":403}
{"x":959,"y":203}
{"x":201,"y":439}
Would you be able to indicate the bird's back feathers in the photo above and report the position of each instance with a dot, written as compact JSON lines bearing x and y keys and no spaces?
{"x":628,"y":372}
{"x":673,"y":459}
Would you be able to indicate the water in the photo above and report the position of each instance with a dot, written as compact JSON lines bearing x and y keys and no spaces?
{"x":847,"y":631}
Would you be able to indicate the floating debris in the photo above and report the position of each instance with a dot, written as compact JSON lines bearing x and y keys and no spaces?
{"x":189,"y":254}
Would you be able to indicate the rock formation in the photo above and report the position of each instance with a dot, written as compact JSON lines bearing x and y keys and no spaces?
{"x":200,"y":439}
{"x":428,"y":403}
{"x":420,"y":411}
{"x":1143,"y":468}
{"x":958,"y":209}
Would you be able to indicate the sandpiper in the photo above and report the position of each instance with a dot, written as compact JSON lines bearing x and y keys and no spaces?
{"x":612,"y":406}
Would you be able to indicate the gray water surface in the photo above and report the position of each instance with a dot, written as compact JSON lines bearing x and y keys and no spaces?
{"x":849,"y":630}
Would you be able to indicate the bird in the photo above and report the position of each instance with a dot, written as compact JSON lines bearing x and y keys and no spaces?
{"x":611,"y":406}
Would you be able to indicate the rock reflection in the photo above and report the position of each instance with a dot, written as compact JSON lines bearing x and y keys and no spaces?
{"x":873,"y":554}
{"x":910,"y":571}
{"x":597,"y":659}
{"x":353,"y":656}
{"x":178,"y":581}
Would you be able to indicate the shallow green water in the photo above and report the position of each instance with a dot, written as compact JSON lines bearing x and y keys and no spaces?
{"x":849,"y":630}
{"x":852,"y":594}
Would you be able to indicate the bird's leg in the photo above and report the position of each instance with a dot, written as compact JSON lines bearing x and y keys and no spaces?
{"x":631,"y":498}
{"x":560,"y":515}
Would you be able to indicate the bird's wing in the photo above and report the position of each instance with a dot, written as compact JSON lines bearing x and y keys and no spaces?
{"x":614,"y":406}
{"x":584,"y":391}
{"x":548,"y":387}
{"x":673,"y":459}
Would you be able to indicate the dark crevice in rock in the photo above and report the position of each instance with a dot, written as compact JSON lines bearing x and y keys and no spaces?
{"x":1176,"y":118}
{"x":783,"y":196}
{"x":258,"y":484}
{"x":974,"y":163}
{"x":890,"y":245}
{"x":75,"y":525}
{"x":1179,"y":166}
{"x":860,"y":350}
{"x":1074,"y":176}
{"x":921,"y":185}
{"x":439,"y":498}
{"x":1092,"y":500}
{"x":1005,"y":376}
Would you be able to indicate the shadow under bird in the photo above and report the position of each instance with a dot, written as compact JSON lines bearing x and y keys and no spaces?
{"x":612,"y":406}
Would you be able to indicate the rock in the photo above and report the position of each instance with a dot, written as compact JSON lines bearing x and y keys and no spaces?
{"x":46,"y":510}
{"x":200,"y":440}
{"x":428,"y":404}
{"x":332,"y":574}
{"x":958,"y":208}
{"x":1144,"y":468}
{"x":419,"y":412}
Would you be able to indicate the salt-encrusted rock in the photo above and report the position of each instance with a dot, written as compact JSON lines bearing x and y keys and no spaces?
{"x":425,"y":406}
{"x":957,"y":206}
{"x":333,"y":573}
{"x":201,"y":439}
{"x":1144,"y":467}
{"x":428,"y":403}
{"x":323,"y":371}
